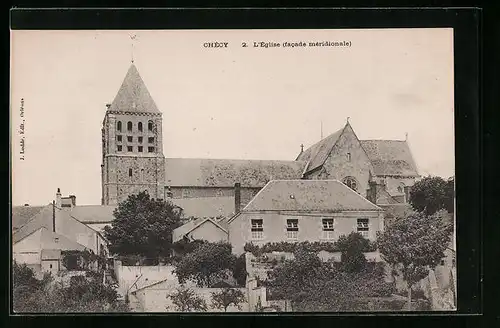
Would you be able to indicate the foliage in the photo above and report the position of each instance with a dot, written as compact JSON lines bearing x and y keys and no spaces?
{"x":315,"y":247}
{"x":82,"y":294}
{"x":143,"y":226}
{"x":81,"y":260}
{"x":313,"y":285}
{"x":414,"y":244}
{"x":184,"y":246}
{"x":432,"y":194}
{"x":186,"y":300}
{"x":206,"y":264}
{"x":352,"y":247}
{"x":239,"y":270}
{"x":227,"y":296}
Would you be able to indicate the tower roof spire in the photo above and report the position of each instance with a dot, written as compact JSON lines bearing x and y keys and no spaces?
{"x":133,"y":95}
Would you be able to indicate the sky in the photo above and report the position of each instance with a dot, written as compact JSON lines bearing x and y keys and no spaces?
{"x":234,"y":102}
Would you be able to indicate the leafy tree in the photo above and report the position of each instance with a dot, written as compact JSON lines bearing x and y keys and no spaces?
{"x":240,"y":270}
{"x":143,"y":226}
{"x":82,"y":294}
{"x":352,"y":247}
{"x":432,"y":194}
{"x":227,"y":296}
{"x":413,"y":244}
{"x":207,"y":264}
{"x":186,"y":300}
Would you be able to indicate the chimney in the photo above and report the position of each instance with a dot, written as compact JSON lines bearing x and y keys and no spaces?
{"x":237,"y":197}
{"x":73,"y":200}
{"x":58,"y":198}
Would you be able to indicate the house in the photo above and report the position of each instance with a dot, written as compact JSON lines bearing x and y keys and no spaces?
{"x":304,"y":210}
{"x":50,"y":231}
{"x":201,"y":229}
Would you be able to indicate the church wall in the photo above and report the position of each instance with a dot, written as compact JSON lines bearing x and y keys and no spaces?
{"x":338,"y":166}
{"x":392,"y":184}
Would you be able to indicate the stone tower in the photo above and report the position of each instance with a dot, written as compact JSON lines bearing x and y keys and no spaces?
{"x":132,"y":148}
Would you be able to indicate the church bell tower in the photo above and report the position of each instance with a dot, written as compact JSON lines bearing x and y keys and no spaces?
{"x":132,"y":148}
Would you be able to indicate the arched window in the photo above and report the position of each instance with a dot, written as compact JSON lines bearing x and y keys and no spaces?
{"x":129,"y":126}
{"x":351,"y":183}
{"x":130,"y":172}
{"x":142,"y":175}
{"x":150,"y":126}
{"x":401,"y":187}
{"x":119,"y":125}
{"x":139,"y":126}
{"x":348,"y":157}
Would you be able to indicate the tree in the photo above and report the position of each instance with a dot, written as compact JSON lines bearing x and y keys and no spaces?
{"x":82,"y":294}
{"x":207,"y":264}
{"x":227,"y":296}
{"x":352,"y":247}
{"x":186,"y":300}
{"x":415,"y":243}
{"x":432,"y":194}
{"x":143,"y":226}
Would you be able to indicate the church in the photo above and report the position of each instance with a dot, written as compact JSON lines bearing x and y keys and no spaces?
{"x":382,"y":171}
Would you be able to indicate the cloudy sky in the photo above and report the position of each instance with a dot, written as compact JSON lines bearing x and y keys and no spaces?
{"x":235,"y":102}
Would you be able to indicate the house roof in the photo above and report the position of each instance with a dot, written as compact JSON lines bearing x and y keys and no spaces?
{"x":22,"y":214}
{"x":390,"y":157}
{"x":309,"y":195}
{"x":317,"y":154}
{"x":184,"y":229}
{"x":384,"y":198}
{"x":43,"y":219}
{"x":205,"y":206}
{"x":93,"y":213}
{"x":226,"y":172}
{"x":51,"y":254}
{"x":398,"y":210}
{"x":133,"y":96}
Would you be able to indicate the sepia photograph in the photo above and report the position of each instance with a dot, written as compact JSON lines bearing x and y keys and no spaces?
{"x":228,"y":171}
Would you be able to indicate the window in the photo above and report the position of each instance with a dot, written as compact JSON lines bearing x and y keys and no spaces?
{"x":139,"y":139}
{"x":292,"y":228}
{"x":119,"y":138}
{"x":401,"y":188}
{"x":363,"y":227}
{"x":139,"y":126}
{"x":328,"y":230}
{"x":56,"y":239}
{"x":442,"y":262}
{"x":130,"y":138}
{"x":142,"y":175}
{"x":348,"y":157}
{"x":151,"y":139}
{"x":150,"y":126}
{"x":151,"y":149}
{"x":129,"y":126}
{"x":129,"y":148}
{"x":119,"y":126}
{"x":50,"y":266}
{"x":139,"y":149}
{"x":130,"y":172}
{"x":119,"y":147}
{"x":351,"y":183}
{"x":257,"y":229}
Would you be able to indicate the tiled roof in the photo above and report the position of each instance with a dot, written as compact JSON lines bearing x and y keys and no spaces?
{"x":399,"y":210}
{"x":226,"y":172}
{"x":93,"y":213}
{"x":309,"y":196}
{"x":390,"y":157}
{"x":184,"y":229}
{"x":317,"y":154}
{"x":205,"y":206}
{"x":133,"y":95}
{"x":384,"y":198}
{"x":43,"y":219}
{"x":21,"y":215}
{"x":52,"y":240}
